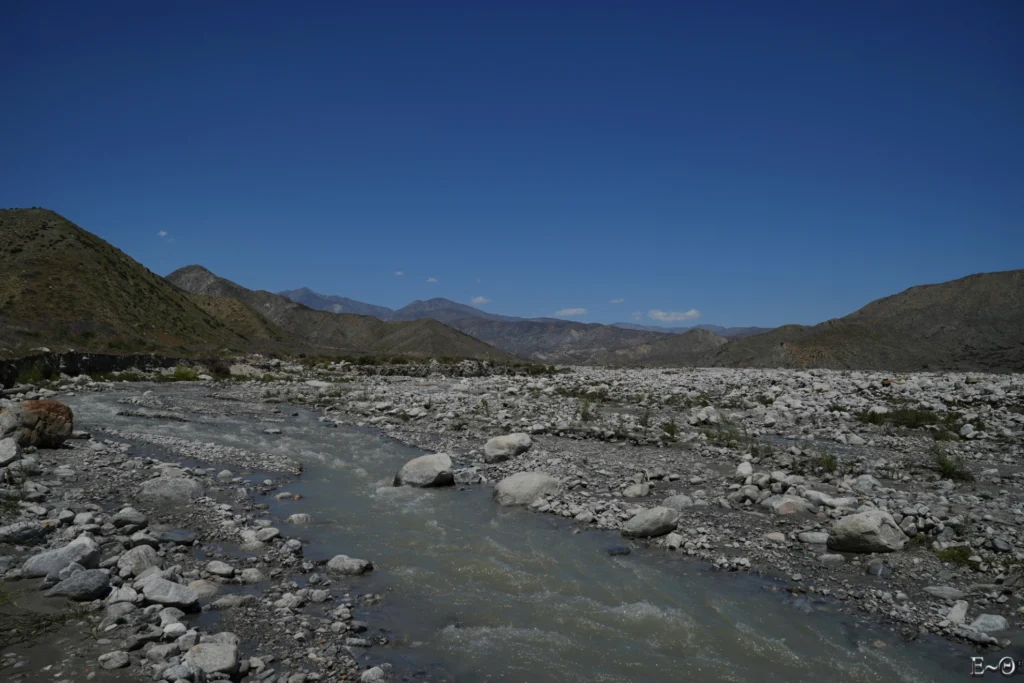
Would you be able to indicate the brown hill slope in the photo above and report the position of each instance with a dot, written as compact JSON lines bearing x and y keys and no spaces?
{"x":62,"y":287}
{"x":974,"y":323}
{"x":341,"y":332}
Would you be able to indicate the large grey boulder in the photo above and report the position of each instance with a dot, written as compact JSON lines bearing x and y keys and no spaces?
{"x":990,"y":623}
{"x":83,"y":550}
{"x":871,"y":531}
{"x":522,"y":488}
{"x":501,"y":448}
{"x":170,"y":490}
{"x":214,"y":658}
{"x":786,"y":505}
{"x":139,"y":559}
{"x":24,"y":533}
{"x":678,"y":502}
{"x":434,"y":469}
{"x":656,"y":521}
{"x":9,"y":451}
{"x":88,"y":584}
{"x":348,"y":566}
{"x":163,"y":592}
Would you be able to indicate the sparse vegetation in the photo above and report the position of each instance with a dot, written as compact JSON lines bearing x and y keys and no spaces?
{"x":670,"y":428}
{"x":725,"y":434}
{"x":958,"y":554}
{"x":645,"y":418}
{"x":950,"y":467}
{"x":585,"y":411}
{"x":827,"y":462}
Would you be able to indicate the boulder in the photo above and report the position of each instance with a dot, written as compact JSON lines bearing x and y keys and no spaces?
{"x":501,"y":448}
{"x":522,"y":488}
{"x":656,"y":521}
{"x":990,"y":623}
{"x":636,"y":490}
{"x":43,"y":424}
{"x":786,"y":505}
{"x":139,"y":559}
{"x":678,"y":502}
{"x":170,"y":490}
{"x":88,"y":584}
{"x":24,"y":533}
{"x":871,"y":531}
{"x":214,"y":658}
{"x":348,"y":566}
{"x":434,"y":469}
{"x":83,"y":550}
{"x":129,"y":516}
{"x":163,"y":592}
{"x":10,"y":451}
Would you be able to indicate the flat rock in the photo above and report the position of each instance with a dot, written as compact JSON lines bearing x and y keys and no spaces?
{"x":783,"y":505}
{"x":164,"y":592}
{"x":522,"y":488}
{"x":174,"y":536}
{"x":944,"y":592}
{"x":678,"y":502}
{"x":170,"y":490}
{"x":214,"y":658}
{"x":24,"y":533}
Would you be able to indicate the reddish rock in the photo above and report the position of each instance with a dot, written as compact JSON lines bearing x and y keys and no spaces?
{"x":43,"y":424}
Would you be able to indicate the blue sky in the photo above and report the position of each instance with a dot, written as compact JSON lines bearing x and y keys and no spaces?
{"x":757,"y":162}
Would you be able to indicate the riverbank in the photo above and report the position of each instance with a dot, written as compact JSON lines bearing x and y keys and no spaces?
{"x":760,"y":466}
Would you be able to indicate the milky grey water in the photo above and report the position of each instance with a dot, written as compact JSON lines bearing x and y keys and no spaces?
{"x":479,"y":593}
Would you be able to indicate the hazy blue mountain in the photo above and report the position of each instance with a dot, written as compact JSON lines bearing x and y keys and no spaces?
{"x":336,"y":304}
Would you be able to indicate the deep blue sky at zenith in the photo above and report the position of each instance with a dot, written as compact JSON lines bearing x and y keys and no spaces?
{"x":761,"y":162}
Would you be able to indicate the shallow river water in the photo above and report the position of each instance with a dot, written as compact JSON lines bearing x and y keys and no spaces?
{"x":474,"y":592}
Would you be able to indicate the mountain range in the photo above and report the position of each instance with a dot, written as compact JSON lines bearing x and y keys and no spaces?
{"x":62,"y":287}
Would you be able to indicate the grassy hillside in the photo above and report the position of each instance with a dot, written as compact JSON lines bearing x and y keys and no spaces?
{"x":62,"y":287}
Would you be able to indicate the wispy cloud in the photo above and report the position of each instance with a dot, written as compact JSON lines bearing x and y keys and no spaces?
{"x":570,"y":312}
{"x":432,"y":280}
{"x":478,"y":280}
{"x":637,"y":315}
{"x":673,"y":316}
{"x":619,"y":300}
{"x":479,"y":300}
{"x":399,"y":273}
{"x":165,"y":237}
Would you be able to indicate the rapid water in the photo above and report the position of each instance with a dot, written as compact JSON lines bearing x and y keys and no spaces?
{"x":475,"y":592}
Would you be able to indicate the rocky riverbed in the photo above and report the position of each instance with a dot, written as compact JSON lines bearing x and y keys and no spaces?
{"x":900,"y":498}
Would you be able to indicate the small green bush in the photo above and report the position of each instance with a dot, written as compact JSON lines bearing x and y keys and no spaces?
{"x":958,"y":554}
{"x":827,"y":462}
{"x":950,"y":467}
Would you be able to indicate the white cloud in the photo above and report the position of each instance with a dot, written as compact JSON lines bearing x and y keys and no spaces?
{"x":431,"y":280}
{"x":162,"y":233}
{"x":399,"y":273}
{"x":673,"y":316}
{"x":570,"y":312}
{"x":618,"y":300}
{"x":637,"y":315}
{"x":479,"y":300}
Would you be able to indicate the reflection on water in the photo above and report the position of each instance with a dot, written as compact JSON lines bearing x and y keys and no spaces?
{"x":493,"y":594}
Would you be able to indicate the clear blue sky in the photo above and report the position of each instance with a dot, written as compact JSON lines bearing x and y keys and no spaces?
{"x":760,"y":162}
